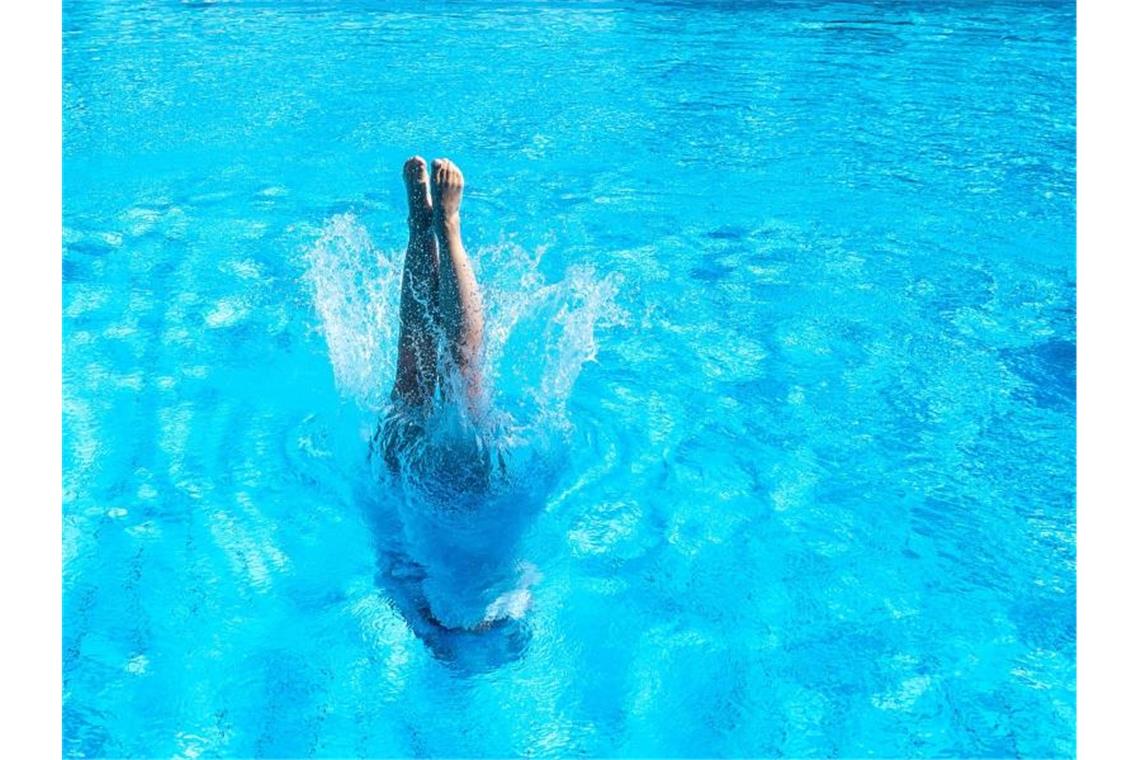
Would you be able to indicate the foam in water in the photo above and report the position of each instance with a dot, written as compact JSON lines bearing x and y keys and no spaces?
{"x":448,"y":550}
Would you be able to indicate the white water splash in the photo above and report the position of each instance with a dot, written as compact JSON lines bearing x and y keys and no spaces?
{"x":538,"y":336}
{"x":356,"y":292}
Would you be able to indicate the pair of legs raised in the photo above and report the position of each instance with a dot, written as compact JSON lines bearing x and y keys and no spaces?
{"x":441,"y":313}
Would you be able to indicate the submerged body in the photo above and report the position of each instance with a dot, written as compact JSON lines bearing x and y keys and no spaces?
{"x":437,"y":439}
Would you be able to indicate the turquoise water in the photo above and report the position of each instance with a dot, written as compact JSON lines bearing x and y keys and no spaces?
{"x":781,"y":331}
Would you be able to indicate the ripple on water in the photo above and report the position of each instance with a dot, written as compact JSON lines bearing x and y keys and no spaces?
{"x":227,"y":312}
{"x":606,"y":528}
{"x":85,"y":299}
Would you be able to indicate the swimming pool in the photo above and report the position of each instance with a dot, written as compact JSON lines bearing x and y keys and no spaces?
{"x":780,"y":304}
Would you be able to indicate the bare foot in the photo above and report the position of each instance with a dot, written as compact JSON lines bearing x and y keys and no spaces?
{"x":419,"y":203}
{"x":446,"y":191}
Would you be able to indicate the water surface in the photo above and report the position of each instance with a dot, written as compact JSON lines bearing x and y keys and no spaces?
{"x":780,"y":294}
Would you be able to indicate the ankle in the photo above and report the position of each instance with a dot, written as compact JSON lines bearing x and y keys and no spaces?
{"x":446,"y":222}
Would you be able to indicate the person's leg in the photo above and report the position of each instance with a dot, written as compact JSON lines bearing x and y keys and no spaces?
{"x":460,"y":305}
{"x":416,"y":363}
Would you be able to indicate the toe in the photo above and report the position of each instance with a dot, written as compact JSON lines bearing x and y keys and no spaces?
{"x":414,"y":169}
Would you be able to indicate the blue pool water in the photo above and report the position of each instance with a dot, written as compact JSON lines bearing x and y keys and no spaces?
{"x":780,"y":319}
